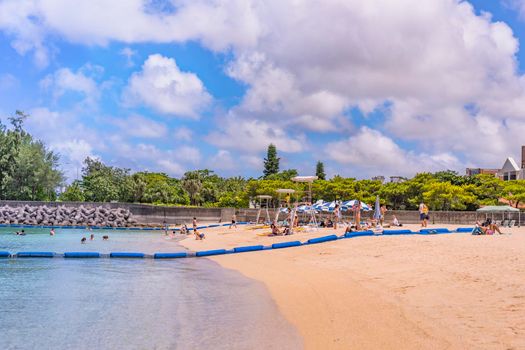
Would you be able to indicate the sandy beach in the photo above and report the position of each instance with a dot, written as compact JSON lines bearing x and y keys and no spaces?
{"x":452,"y":291}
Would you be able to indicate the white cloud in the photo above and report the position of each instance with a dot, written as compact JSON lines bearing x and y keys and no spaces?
{"x":162,"y":86}
{"x":426,"y":59}
{"x":64,"y":80}
{"x":371,"y":152}
{"x":139,"y":126}
{"x":223,"y":160}
{"x":251,"y":135}
{"x":128,"y":53}
{"x":170,"y":167}
{"x":8,"y":81}
{"x":183,"y":133}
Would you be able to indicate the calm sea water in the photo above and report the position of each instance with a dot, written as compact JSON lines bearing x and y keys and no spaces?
{"x":131,"y":304}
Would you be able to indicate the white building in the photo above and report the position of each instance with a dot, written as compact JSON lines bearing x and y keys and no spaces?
{"x":511,"y":171}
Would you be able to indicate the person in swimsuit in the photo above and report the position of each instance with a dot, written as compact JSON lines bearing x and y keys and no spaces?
{"x":234,"y":221}
{"x":337,"y":215}
{"x":52,"y":232}
{"x":423,"y":214}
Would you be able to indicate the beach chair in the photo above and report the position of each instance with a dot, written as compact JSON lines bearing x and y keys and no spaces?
{"x":512,"y":223}
{"x":505,"y":223}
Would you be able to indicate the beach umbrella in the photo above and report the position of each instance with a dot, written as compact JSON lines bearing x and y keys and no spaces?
{"x":350,"y":204}
{"x":377,"y":209}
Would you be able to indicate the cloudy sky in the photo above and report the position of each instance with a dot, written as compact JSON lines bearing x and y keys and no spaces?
{"x":370,"y":87}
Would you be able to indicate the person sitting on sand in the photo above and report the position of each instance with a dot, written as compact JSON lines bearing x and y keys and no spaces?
{"x":275,"y":230}
{"x":184,"y":230}
{"x":198,"y":236}
{"x":395,"y":221}
{"x":348,"y":229}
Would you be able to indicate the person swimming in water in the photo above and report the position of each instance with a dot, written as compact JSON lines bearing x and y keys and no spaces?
{"x":105,"y":238}
{"x":52,"y":232}
{"x":83,"y":240}
{"x":92,"y":237}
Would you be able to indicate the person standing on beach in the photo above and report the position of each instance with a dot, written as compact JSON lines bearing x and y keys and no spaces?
{"x":194,"y":223}
{"x":423,"y":214}
{"x":383,"y":211}
{"x":337,"y":215}
{"x":234,"y":221}
{"x":357,"y":215}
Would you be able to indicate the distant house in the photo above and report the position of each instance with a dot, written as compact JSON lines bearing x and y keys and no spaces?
{"x":477,"y":171}
{"x":511,"y":171}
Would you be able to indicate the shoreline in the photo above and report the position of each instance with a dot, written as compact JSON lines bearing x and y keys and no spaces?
{"x":424,"y":292}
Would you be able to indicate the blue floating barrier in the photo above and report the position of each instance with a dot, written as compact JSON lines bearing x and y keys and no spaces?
{"x":359,"y":234}
{"x":397,"y":232}
{"x":4,"y":254}
{"x":465,"y":229}
{"x":214,"y":225}
{"x":126,"y":255}
{"x":81,"y":255}
{"x":226,"y":224}
{"x":201,"y":227}
{"x":95,"y":228}
{"x":286,"y":244}
{"x":169,"y":255}
{"x":250,"y":248}
{"x":4,"y":225}
{"x":434,"y":230}
{"x":211,"y":252}
{"x":322,"y":239}
{"x":35,"y":254}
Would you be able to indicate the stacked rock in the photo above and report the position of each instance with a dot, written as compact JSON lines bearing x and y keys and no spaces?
{"x":66,"y":216}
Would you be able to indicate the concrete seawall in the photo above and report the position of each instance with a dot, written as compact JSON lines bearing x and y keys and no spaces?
{"x":152,"y":215}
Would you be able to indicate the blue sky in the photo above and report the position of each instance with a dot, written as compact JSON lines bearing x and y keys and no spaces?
{"x":368,"y":87}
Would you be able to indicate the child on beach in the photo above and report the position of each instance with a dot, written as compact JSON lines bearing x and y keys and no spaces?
{"x":198,"y":236}
{"x":194,"y":223}
{"x":234,"y":221}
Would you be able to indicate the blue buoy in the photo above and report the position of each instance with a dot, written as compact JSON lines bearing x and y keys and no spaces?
{"x":397,"y":232}
{"x":81,"y":255}
{"x":126,"y":255}
{"x":465,"y":229}
{"x":359,"y":234}
{"x":322,"y":239}
{"x":4,"y":254}
{"x":250,"y":248}
{"x":35,"y":254}
{"x":434,"y":230}
{"x":286,"y":244}
{"x":211,"y":252}
{"x":169,"y":255}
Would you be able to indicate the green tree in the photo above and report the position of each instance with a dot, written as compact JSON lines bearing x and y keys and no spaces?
{"x":10,"y":140}
{"x":102,"y":183}
{"x":446,"y":196}
{"x":73,"y":193}
{"x":514,"y":192}
{"x":319,"y":171}
{"x":36,"y":175}
{"x":271,"y":162}
{"x":395,"y":194}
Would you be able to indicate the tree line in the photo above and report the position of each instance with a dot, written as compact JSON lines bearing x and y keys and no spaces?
{"x":30,"y":171}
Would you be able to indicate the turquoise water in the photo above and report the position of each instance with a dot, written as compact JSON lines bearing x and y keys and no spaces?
{"x":131,"y":304}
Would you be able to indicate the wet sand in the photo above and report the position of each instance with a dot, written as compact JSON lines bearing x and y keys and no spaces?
{"x":452,"y":291}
